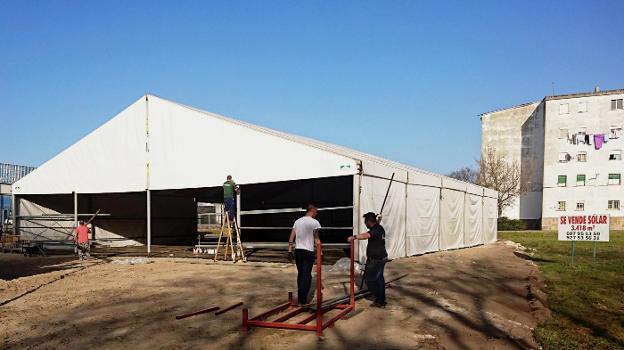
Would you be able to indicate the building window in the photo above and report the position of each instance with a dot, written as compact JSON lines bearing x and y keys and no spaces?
{"x":616,"y":104}
{"x":582,"y":107}
{"x":580,"y":206}
{"x":580,"y":180}
{"x":564,"y":157}
{"x":564,"y":108}
{"x":614,"y":204}
{"x":562,"y":180}
{"x":561,"y":206}
{"x":581,"y":157}
{"x":615,"y":179}
{"x":615,"y":132}
{"x":563,"y":133}
{"x":615,"y":154}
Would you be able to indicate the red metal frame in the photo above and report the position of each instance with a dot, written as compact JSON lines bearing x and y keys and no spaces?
{"x":320,"y":325}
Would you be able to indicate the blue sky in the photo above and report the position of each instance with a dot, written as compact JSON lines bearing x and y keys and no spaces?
{"x":405,"y":80}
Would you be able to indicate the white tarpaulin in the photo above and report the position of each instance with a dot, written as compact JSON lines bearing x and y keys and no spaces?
{"x":473,"y":220}
{"x":179,"y":139}
{"x":452,"y":219}
{"x":372,"y":196}
{"x":158,"y":144}
{"x":490,"y":214}
{"x":423,"y":219}
{"x":109,"y":159}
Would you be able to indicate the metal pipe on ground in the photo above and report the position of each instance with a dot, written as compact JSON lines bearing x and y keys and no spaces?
{"x":228,"y":308}
{"x":210,"y":309}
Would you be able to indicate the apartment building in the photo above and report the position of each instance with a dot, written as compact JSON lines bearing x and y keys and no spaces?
{"x":570,"y":151}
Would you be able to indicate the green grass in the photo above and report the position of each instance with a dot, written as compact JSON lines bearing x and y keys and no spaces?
{"x":587,"y":298}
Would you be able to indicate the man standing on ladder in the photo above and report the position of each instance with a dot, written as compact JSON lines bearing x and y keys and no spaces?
{"x":376,"y":258}
{"x":305,"y":235}
{"x":230,"y":189}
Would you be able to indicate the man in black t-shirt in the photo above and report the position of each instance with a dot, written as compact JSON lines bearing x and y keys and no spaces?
{"x":376,"y":258}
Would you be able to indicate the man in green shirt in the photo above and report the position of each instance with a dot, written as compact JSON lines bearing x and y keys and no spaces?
{"x":230,"y":188}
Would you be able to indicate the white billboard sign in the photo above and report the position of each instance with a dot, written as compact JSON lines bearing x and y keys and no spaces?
{"x":583,"y":227}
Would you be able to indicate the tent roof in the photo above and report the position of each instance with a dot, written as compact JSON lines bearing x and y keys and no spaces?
{"x":160,"y":144}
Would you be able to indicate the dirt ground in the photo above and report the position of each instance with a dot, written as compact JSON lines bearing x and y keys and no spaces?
{"x":488,"y":297}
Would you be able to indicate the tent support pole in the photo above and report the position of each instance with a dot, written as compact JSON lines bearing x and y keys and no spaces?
{"x":405,"y":219}
{"x":464,"y":219}
{"x":238,"y":209}
{"x":2,"y":211}
{"x":13,"y":213}
{"x":149,"y":222}
{"x":357,"y":190}
{"x":75,"y":195}
{"x":440,"y":222}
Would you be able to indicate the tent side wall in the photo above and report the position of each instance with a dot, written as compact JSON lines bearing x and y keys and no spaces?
{"x":426,"y":212}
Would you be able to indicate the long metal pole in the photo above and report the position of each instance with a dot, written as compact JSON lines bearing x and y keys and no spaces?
{"x":149,"y":222}
{"x":573,"y":251}
{"x":75,"y":195}
{"x":351,"y":276}
{"x":440,"y":221}
{"x":238,"y":208}
{"x":14,"y":212}
{"x":319,"y":296}
{"x":405,"y":222}
{"x":2,"y":212}
{"x":594,"y":252}
{"x":387,"y":193}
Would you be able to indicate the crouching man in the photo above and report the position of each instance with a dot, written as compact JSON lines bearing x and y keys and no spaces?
{"x":376,"y":258}
{"x":81,"y":238}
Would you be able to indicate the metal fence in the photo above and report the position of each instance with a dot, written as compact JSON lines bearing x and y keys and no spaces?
{"x":9,"y":173}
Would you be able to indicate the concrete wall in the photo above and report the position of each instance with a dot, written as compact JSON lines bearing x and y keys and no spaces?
{"x":598,"y":118}
{"x":518,"y":134}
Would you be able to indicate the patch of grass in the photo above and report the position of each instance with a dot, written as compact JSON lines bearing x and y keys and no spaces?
{"x":587,"y":298}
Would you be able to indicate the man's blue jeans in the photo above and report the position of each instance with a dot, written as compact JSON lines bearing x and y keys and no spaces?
{"x":230,"y":207}
{"x":375,"y":279}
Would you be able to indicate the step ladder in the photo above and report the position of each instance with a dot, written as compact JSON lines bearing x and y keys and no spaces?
{"x":230,"y":233}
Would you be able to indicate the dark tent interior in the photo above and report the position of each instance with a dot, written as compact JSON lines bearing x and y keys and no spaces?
{"x":174,"y":212}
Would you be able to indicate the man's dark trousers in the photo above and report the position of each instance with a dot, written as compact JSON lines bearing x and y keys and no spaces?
{"x":304,"y":260}
{"x":375,"y":279}
{"x":230,"y":207}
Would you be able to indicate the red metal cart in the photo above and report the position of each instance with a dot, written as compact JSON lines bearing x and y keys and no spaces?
{"x":292,"y":310}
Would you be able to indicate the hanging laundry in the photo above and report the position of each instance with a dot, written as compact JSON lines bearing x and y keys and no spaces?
{"x":598,"y":141}
{"x":587,"y":139}
{"x":605,"y":138}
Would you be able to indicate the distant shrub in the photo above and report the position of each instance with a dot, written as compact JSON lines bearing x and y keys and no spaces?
{"x":507,"y":224}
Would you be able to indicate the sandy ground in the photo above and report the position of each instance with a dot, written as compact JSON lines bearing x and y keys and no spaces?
{"x":487,"y":297}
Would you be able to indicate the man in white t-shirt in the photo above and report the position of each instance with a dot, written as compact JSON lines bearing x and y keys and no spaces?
{"x":304,"y":234}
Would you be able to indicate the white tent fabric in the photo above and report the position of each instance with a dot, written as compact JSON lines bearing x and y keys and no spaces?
{"x":156,"y":144}
{"x":109,"y":159}
{"x":423,"y":219}
{"x":490,"y":214}
{"x":175,"y":147}
{"x":473,"y":220}
{"x":451,"y":220}
{"x":373,"y":192}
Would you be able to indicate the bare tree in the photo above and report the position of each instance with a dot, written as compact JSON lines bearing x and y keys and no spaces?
{"x":467,"y":174}
{"x":503,"y":176}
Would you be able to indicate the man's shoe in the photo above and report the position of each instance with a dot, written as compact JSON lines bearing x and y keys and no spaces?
{"x":377,"y":305}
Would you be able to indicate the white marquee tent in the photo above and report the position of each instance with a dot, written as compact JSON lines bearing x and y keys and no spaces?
{"x":150,"y":164}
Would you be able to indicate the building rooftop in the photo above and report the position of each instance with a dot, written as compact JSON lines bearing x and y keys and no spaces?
{"x":585,"y":94}
{"x":561,"y":97}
